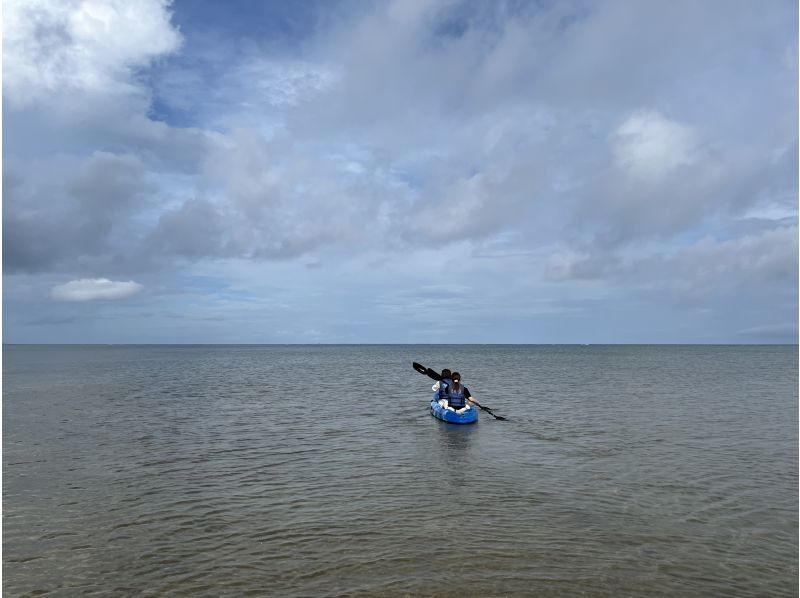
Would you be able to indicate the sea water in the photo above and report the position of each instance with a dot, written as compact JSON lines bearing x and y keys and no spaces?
{"x":318,"y":471}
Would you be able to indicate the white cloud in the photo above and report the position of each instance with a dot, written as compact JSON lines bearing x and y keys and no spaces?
{"x":404,"y":130}
{"x":648,"y":146}
{"x":89,"y":46}
{"x":88,"y":289}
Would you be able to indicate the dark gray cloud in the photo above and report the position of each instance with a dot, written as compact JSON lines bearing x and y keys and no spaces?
{"x":765,"y":262}
{"x":108,"y":184}
{"x":84,"y":215}
{"x":194,"y":230}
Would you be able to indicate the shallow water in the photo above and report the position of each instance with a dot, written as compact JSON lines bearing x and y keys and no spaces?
{"x":317,"y":470}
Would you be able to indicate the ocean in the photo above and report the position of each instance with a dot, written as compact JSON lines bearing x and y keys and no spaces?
{"x":318,"y":471}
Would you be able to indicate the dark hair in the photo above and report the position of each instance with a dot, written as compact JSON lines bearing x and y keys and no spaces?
{"x":445,"y":373}
{"x":456,"y":378}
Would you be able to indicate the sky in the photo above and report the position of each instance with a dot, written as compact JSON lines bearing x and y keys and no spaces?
{"x":612,"y":171}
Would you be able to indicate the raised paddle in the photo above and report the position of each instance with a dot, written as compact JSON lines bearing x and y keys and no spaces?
{"x":432,"y":374}
{"x":426,"y":371}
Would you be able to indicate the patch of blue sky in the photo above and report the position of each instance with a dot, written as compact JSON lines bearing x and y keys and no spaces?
{"x":274,"y":24}
{"x":455,"y":20}
{"x":217,"y":38}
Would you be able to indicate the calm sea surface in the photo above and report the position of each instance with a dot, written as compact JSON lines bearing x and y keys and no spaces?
{"x":317,"y":471}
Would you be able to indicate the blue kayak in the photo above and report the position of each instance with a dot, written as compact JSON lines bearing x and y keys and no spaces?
{"x":470,"y":416}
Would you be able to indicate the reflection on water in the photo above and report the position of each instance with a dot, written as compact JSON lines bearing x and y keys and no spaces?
{"x":455,"y":452}
{"x":213,"y":471}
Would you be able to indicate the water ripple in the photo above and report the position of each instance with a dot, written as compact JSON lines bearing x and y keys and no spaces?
{"x":194,"y":471}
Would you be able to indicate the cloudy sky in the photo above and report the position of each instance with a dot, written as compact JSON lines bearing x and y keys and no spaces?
{"x":441,"y":172}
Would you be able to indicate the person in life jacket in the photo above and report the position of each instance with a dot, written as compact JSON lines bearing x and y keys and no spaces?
{"x":442,"y":385}
{"x":457,"y":393}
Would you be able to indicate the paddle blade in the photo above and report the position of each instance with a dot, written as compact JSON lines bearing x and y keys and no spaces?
{"x":489,"y":411}
{"x":433,"y":374}
{"x":420,"y":368}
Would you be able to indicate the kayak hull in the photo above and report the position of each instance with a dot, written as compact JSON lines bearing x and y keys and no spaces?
{"x":470,"y":416}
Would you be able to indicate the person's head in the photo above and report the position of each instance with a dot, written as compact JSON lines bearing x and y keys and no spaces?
{"x":456,"y":378}
{"x":445,"y":373}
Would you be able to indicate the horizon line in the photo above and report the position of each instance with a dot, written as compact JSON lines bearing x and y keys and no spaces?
{"x":332,"y":344}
